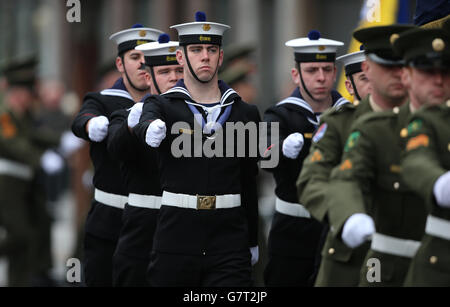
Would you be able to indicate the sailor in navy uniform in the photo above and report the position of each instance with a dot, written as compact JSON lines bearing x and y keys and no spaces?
{"x":206,"y":234}
{"x":104,"y":218}
{"x":140,"y":170}
{"x":294,"y":238}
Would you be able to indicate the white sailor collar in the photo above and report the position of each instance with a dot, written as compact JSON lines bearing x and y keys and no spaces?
{"x":180,"y":91}
{"x":118,"y":90}
{"x":314,"y":118}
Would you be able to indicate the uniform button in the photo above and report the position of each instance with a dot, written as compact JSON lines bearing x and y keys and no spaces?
{"x":204,"y":253}
{"x":396,"y":185}
{"x":404,"y":133}
{"x":433,"y":259}
{"x":356,"y":102}
{"x":331,"y":251}
{"x":396,"y":110}
{"x":448,"y":103}
{"x":448,"y":146}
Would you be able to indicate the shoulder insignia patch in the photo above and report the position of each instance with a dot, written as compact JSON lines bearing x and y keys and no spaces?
{"x":346,"y":165}
{"x":414,"y":126}
{"x":317,"y":156}
{"x":320,"y":133}
{"x":352,"y":140}
{"x":8,"y":128}
{"x":422,"y":140}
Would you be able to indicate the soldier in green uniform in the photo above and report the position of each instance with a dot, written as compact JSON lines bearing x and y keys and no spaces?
{"x":23,"y":154}
{"x":340,"y":264}
{"x":367,"y":197}
{"x":426,"y":160}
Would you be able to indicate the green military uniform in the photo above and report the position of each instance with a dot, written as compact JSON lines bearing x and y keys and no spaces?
{"x":340,"y":265}
{"x":369,"y":180}
{"x":22,"y":199}
{"x":19,"y":160}
{"x":427,"y":157}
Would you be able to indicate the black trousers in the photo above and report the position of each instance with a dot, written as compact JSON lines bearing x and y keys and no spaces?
{"x":232,"y":269}
{"x":98,"y":260}
{"x":294,"y":248}
{"x":279,"y":272}
{"x":129,"y":271}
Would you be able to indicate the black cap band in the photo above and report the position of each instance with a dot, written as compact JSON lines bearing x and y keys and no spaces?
{"x":128,"y":45}
{"x":200,"y":39}
{"x":353,"y":69}
{"x":315,"y":57}
{"x":161,"y":60}
{"x":430,"y":62}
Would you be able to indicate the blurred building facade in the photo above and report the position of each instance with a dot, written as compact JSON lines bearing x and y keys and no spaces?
{"x":74,"y":52}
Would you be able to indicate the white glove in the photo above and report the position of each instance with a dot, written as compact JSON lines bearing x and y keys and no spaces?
{"x":357,"y":229}
{"x":135,"y":114}
{"x":98,"y":128}
{"x":69,"y":143}
{"x":156,"y":132}
{"x":51,"y":162}
{"x":255,"y":254}
{"x":441,"y":190}
{"x":292,"y":145}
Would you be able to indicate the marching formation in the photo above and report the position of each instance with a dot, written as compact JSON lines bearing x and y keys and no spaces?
{"x":362,"y":187}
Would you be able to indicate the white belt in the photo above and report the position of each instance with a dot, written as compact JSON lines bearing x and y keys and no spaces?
{"x":109,"y":199}
{"x":394,"y":246}
{"x":201,"y":202}
{"x":292,"y":209}
{"x":438,"y":227}
{"x":144,"y":201}
{"x":14,"y":169}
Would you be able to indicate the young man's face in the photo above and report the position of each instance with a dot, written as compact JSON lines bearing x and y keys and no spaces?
{"x":319,"y":78}
{"x":167,"y":76}
{"x":427,"y":86}
{"x":20,"y":97}
{"x":204,"y":59}
{"x":385,"y":80}
{"x":362,"y":85}
{"x":132,"y":61}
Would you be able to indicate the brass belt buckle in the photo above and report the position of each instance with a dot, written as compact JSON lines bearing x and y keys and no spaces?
{"x":206,"y":202}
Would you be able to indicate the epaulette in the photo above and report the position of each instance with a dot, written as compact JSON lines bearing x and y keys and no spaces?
{"x":348,"y":107}
{"x":372,"y":117}
{"x":335,"y":111}
{"x":428,"y":112}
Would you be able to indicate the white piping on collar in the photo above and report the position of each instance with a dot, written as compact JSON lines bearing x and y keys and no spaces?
{"x":297,"y":101}
{"x":210,"y":108}
{"x":118,"y":93}
{"x":182,"y":90}
{"x":341,"y":101}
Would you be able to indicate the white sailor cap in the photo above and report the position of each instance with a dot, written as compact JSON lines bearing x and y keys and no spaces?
{"x":161,"y":52}
{"x":352,"y":61}
{"x":137,"y":35}
{"x":200,"y":31}
{"x":314,"y":48}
